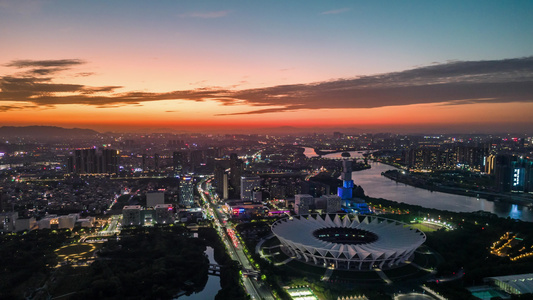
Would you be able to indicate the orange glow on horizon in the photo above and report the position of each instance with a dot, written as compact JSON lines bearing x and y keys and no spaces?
{"x":206,"y":115}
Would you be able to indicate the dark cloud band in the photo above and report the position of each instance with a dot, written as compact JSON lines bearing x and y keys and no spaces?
{"x":26,"y":63}
{"x":453,"y":83}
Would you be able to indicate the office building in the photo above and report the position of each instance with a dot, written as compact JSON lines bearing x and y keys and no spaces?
{"x":221,"y":177}
{"x":164,"y":214}
{"x":250,"y":185}
{"x":333,"y":203}
{"x":236,"y":169}
{"x":513,"y":174}
{"x":131,"y":215}
{"x":302,"y":203}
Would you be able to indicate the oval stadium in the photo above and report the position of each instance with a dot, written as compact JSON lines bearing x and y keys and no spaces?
{"x":349,"y":242}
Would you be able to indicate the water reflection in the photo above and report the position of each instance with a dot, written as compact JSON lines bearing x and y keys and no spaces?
{"x":515,"y":212}
{"x":211,"y":287}
{"x":378,"y":186}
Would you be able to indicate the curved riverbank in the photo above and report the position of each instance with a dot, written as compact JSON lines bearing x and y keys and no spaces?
{"x":496,"y":197}
{"x":377,"y":186}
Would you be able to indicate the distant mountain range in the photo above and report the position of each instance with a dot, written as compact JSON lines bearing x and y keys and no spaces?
{"x":40,"y":132}
{"x":47,"y":132}
{"x":44,"y":131}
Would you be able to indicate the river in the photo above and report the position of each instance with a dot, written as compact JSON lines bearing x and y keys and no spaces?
{"x":211,"y":287}
{"x":378,"y":186}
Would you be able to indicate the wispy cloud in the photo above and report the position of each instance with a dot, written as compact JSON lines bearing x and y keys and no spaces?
{"x":25,"y":63}
{"x":452,"y":83}
{"x":207,"y":14}
{"x":335,"y":11}
{"x":4,"y":108}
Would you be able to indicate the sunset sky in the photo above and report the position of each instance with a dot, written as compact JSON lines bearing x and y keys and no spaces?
{"x":200,"y":66}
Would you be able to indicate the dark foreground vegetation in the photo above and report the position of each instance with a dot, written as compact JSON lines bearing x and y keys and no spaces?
{"x":142,"y":263}
{"x":26,"y":261}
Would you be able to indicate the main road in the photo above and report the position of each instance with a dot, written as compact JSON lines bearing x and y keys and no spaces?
{"x":256,"y":289}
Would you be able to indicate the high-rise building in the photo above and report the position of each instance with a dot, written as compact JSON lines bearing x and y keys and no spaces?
{"x":473,"y":157}
{"x":109,"y":162}
{"x":186,"y":195}
{"x":333,"y":203}
{"x":197,"y":159}
{"x":131,"y":215}
{"x":85,"y":161}
{"x":522,"y":175}
{"x":164,"y":214}
{"x":156,"y":162}
{"x":88,"y":161}
{"x":510,"y":173}
{"x":236,"y":169}
{"x":221,"y":176}
{"x":489,"y":164}
{"x":249,"y":185}
{"x":70,"y":164}
{"x":302,"y":203}
{"x":179,"y":162}
{"x":225,"y":186}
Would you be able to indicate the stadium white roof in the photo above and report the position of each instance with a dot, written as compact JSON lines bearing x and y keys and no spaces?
{"x":394,"y":238}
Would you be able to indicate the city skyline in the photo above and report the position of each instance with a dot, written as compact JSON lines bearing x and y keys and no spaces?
{"x":243,"y":66}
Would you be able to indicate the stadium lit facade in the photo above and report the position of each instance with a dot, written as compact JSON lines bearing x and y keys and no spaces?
{"x":350,"y":242}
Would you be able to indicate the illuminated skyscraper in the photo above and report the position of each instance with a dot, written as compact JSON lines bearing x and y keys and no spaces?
{"x":186,"y":191}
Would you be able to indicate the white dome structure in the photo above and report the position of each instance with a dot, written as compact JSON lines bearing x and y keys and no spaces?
{"x":350,"y":242}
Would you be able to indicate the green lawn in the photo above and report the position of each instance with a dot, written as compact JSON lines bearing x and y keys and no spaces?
{"x":425,"y":227}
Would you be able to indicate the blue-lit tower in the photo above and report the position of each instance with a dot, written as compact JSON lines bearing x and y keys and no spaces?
{"x":346,"y":191}
{"x":350,"y":204}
